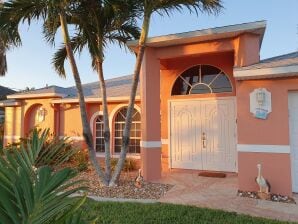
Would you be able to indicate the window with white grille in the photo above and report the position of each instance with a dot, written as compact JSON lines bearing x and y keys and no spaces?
{"x":135,"y":133}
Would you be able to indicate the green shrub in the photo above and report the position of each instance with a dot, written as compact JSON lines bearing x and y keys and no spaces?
{"x":45,"y":149}
{"x":80,"y":160}
{"x":129,"y":164}
{"x":39,"y":195}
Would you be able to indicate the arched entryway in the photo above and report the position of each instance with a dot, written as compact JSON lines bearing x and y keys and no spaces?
{"x":203,"y":128}
{"x":34,"y":118}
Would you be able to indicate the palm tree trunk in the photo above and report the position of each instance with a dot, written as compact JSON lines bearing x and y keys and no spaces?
{"x":130,"y":109}
{"x":107,"y":133}
{"x":3,"y":64}
{"x":86,"y":128}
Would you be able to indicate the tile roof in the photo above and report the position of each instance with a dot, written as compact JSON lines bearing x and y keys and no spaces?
{"x":5,"y":91}
{"x":116,"y":87}
{"x":278,"y":61}
{"x":257,"y":27}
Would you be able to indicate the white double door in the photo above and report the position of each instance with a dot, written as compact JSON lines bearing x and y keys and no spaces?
{"x":203,"y":134}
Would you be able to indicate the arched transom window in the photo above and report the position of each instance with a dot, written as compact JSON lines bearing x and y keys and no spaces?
{"x":99,"y":138}
{"x":135,"y":133}
{"x":202,"y":79}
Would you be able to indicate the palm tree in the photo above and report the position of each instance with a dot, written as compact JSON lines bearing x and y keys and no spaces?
{"x":148,"y":7}
{"x":99,"y":23}
{"x":3,"y":64}
{"x":31,"y":192}
{"x":51,"y":12}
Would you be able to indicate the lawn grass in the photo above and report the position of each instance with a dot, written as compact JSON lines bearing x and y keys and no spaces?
{"x":135,"y":213}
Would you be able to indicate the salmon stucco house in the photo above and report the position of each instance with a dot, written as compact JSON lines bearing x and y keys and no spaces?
{"x":206,"y":102}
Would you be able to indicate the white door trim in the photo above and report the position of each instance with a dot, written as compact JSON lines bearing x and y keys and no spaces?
{"x":202,"y":99}
{"x":292,"y":153}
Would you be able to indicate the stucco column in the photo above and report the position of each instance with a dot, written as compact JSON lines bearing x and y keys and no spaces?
{"x":150,"y":105}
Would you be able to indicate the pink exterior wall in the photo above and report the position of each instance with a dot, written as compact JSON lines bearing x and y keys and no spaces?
{"x":150,"y":125}
{"x":225,"y":54}
{"x":275,"y":168}
{"x":61,"y":119}
{"x":273,"y":131}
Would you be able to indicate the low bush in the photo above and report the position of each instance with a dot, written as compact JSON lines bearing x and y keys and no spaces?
{"x":129,"y":164}
{"x":80,"y":160}
{"x":46,"y":149}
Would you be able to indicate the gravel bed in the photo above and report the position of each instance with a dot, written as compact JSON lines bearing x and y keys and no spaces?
{"x":273,"y":197}
{"x":125,"y":188}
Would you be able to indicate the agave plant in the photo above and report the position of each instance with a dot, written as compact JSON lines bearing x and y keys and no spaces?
{"x":37,"y":195}
{"x":39,"y":150}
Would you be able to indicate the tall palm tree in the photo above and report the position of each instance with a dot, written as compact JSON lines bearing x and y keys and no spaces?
{"x":97,"y":24}
{"x":3,"y":64}
{"x":148,"y":7}
{"x":51,"y":12}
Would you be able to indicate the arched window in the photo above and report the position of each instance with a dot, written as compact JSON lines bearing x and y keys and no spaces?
{"x":202,"y":79}
{"x":135,"y":133}
{"x":99,"y":138}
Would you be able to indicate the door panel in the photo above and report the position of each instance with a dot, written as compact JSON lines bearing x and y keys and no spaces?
{"x":218,"y":122}
{"x":193,"y":120}
{"x":185,"y":154}
{"x":293,"y":119}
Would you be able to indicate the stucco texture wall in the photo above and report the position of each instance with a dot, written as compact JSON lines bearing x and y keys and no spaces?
{"x":272,"y":131}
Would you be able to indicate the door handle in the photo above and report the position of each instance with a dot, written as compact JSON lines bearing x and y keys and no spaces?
{"x":204,"y":140}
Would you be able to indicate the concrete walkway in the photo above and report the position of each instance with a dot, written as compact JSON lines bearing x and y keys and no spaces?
{"x":221,"y":193}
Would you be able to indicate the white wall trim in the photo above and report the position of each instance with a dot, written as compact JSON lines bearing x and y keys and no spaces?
{"x":150,"y":144}
{"x":95,"y":100}
{"x":260,"y":73}
{"x":264,"y":148}
{"x":34,"y":95}
{"x":165,"y":141}
{"x":10,"y":104}
{"x":117,"y":156}
{"x":74,"y":138}
{"x":92,"y":119}
{"x":12,"y":137}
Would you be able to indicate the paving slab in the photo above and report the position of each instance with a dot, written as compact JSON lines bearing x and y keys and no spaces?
{"x":221,"y":193}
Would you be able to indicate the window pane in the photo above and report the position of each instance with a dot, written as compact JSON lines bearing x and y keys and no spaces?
{"x":99,"y":141}
{"x":221,"y":84}
{"x":134,"y":133}
{"x":200,"y":89}
{"x":205,"y":74}
{"x":117,"y":148}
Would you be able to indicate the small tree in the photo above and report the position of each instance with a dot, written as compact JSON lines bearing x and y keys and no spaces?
{"x":51,"y":13}
{"x":97,"y":24}
{"x":147,"y":8}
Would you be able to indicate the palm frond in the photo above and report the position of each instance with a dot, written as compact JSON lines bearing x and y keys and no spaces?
{"x":77,"y":43}
{"x":40,"y":195}
{"x":168,"y":6}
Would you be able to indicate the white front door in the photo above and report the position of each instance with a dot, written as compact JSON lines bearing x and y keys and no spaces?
{"x":293,"y":119}
{"x":203,"y":134}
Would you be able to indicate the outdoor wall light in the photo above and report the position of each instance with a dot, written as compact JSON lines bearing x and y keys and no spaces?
{"x":260,"y":97}
{"x":41,"y":114}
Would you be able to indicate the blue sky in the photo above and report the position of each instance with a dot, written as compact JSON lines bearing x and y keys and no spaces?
{"x":30,"y":65}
